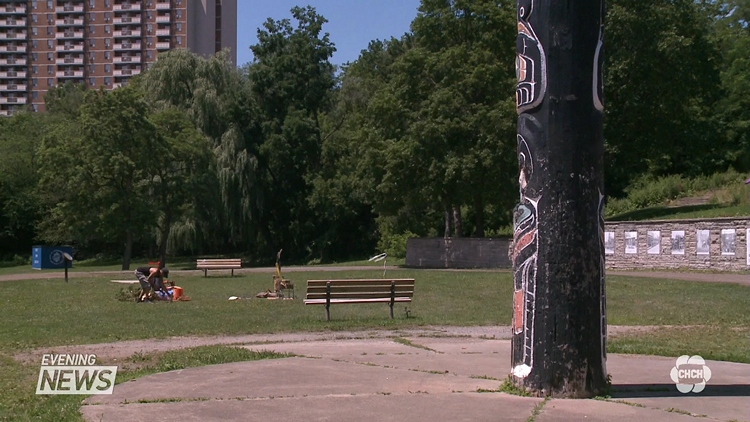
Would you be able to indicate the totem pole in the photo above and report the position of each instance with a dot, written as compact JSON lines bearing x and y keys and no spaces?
{"x":559,"y":311}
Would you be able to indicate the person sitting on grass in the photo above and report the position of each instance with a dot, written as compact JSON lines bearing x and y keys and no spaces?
{"x":151,"y":279}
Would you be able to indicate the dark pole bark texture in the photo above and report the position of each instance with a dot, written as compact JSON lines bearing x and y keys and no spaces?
{"x":559,"y":318}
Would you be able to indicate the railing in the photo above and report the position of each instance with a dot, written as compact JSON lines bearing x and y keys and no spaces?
{"x":162,"y":46}
{"x":163,"y":19}
{"x":69,"y":22}
{"x":69,"y":9}
{"x":15,"y":9}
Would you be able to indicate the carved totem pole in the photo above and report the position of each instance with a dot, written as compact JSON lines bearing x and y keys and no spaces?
{"x":559,"y":309}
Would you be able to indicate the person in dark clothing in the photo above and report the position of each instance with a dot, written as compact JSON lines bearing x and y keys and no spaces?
{"x":151,"y":279}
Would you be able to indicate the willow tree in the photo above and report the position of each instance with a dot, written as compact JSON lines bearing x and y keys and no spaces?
{"x":559,"y":323}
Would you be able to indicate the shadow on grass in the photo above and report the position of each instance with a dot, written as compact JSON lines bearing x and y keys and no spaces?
{"x":632,"y":391}
{"x":654,"y":213}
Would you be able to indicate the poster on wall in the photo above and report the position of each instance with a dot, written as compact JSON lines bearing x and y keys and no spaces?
{"x":609,"y":243}
{"x":631,"y":242}
{"x":747,"y":245}
{"x":654,"y":242}
{"x":728,"y":241}
{"x":703,"y":245}
{"x":678,"y":242}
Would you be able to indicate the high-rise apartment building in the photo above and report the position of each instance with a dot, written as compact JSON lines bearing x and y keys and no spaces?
{"x":45,"y":43}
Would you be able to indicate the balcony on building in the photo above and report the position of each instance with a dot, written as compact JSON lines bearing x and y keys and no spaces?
{"x":162,"y":46}
{"x":19,"y":9}
{"x":125,"y":33}
{"x":69,"y":34}
{"x":127,"y":6}
{"x":12,"y":35}
{"x":69,"y":47}
{"x":163,"y":18}
{"x":13,"y":87}
{"x":78,"y":59}
{"x":12,"y":49}
{"x":69,"y":21}
{"x":69,"y":73}
{"x":13,"y":74}
{"x":127,"y":59}
{"x":13,"y":100}
{"x":13,"y":22}
{"x":128,"y":20}
{"x":127,"y":46}
{"x":163,"y":32}
{"x":69,"y":8}
{"x":126,"y":72}
{"x":162,"y":5}
{"x":12,"y":61}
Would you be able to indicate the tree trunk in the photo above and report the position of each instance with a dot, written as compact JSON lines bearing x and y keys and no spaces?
{"x":479,"y":216}
{"x":447,"y":232}
{"x":164,"y":237}
{"x":559,"y":318}
{"x":128,"y":250}
{"x":457,"y":224}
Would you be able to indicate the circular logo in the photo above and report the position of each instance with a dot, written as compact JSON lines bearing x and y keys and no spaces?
{"x":56,"y":257}
{"x":690,"y":373}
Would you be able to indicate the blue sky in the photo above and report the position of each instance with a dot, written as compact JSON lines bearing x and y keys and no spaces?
{"x":352,"y":24}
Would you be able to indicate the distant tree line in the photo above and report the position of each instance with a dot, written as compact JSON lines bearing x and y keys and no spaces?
{"x":417,"y":137}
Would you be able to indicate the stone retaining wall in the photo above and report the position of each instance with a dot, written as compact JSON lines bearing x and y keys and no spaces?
{"x":675,"y":244}
{"x":462,"y":252}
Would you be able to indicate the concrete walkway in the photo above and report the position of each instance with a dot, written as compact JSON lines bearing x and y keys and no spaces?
{"x":410,"y":378}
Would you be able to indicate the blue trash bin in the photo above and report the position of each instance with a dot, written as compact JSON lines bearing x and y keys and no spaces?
{"x":50,"y":257}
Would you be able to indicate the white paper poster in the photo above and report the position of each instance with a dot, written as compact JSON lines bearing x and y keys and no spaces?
{"x":728,"y":241}
{"x":704,"y":242}
{"x":678,"y":242}
{"x":609,"y":243}
{"x":631,"y":242}
{"x":654,"y":242}
{"x":747,"y":246}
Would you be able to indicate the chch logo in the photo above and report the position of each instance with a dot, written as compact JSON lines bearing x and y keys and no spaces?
{"x":690,"y":373}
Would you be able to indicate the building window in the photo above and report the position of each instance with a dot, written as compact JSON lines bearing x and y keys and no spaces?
{"x":179,"y":14}
{"x":34,"y":30}
{"x":50,"y":44}
{"x":50,"y":57}
{"x":50,"y":82}
{"x":33,"y":5}
{"x":92,"y":5}
{"x":106,"y":55}
{"x":50,"y":69}
{"x":149,"y":54}
{"x":35,"y":18}
{"x":50,"y":30}
{"x":34,"y":56}
{"x":107,"y":42}
{"x":92,"y":68}
{"x":35,"y":82}
{"x":49,"y":4}
{"x":107,"y":15}
{"x":34,"y":70}
{"x":92,"y":29}
{"x":179,"y":40}
{"x":107,"y":68}
{"x":107,"y":81}
{"x":92,"y":56}
{"x":92,"y":17}
{"x":50,"y":18}
{"x":107,"y":29}
{"x":35,"y":95}
{"x":92,"y":42}
{"x":35,"y":107}
{"x":179,"y":26}
{"x":91,"y":81}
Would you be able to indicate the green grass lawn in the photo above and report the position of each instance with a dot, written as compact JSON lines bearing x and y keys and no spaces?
{"x":709,"y":319}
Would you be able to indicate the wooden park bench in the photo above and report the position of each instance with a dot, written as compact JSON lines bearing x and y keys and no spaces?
{"x":329,"y":292}
{"x":218,"y":264}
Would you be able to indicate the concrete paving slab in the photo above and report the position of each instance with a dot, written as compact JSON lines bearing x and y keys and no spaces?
{"x":467,"y":407}
{"x":603,"y":411}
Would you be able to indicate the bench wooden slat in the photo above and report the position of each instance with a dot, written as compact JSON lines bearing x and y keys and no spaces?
{"x":361,"y":289}
{"x":368,"y":295}
{"x":386,"y":282}
{"x":323,"y":301}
